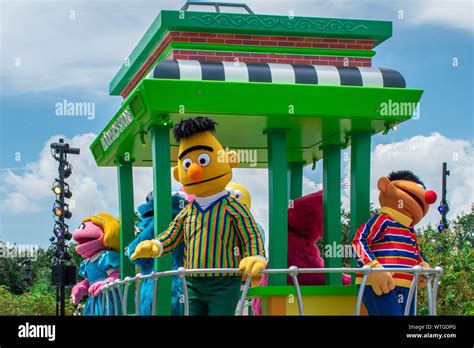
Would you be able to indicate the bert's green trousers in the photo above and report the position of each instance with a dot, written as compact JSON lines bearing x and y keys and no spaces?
{"x":216,"y":295}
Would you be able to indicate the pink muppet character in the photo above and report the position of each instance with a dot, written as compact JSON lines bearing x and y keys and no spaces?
{"x":305,"y":228}
{"x":98,"y":242}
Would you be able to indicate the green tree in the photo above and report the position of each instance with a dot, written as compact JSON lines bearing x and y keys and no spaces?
{"x":19,"y":297}
{"x":452,"y":250}
{"x":12,"y":271}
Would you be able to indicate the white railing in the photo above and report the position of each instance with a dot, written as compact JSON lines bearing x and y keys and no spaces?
{"x":121,"y":287}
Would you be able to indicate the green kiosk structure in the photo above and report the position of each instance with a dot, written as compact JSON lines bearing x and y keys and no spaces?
{"x":294,"y":89}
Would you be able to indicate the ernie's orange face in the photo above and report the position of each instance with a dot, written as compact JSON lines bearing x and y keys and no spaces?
{"x":406,"y":197}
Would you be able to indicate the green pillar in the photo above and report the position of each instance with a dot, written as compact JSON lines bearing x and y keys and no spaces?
{"x":296,"y":179}
{"x":278,"y":203}
{"x":360,"y":181}
{"x":332,"y":209}
{"x":127,"y":223}
{"x":160,"y":137}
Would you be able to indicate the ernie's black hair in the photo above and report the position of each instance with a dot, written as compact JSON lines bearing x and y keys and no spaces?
{"x":405,"y":175}
{"x":191,"y":126}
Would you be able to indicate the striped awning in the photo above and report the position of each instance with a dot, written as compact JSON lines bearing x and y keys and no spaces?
{"x":277,"y":73}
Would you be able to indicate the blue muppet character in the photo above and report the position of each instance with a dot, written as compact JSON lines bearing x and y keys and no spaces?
{"x":146,"y":266}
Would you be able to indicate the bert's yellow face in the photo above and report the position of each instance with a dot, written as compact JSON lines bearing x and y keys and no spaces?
{"x":204,"y":168}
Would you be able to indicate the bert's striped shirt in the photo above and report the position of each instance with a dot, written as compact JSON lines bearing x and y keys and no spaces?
{"x":216,"y":237}
{"x":389,"y":242}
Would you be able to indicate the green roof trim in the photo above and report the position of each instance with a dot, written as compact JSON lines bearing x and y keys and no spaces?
{"x":244,"y":24}
{"x":306,"y":290}
{"x":244,"y":110}
{"x":271,"y":49}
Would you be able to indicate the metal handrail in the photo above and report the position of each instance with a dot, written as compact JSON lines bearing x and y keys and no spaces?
{"x":216,"y":5}
{"x":292,"y":271}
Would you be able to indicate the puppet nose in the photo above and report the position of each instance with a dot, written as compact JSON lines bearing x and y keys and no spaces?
{"x":430,"y":197}
{"x":195,"y":172}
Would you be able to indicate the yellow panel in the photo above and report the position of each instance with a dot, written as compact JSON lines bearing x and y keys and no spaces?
{"x":275,"y":305}
{"x":324,"y":305}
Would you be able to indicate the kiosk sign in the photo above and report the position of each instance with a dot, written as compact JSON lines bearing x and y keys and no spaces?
{"x":120,"y":124}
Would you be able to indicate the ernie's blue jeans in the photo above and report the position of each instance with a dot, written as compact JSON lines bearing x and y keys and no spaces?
{"x":393,"y":303}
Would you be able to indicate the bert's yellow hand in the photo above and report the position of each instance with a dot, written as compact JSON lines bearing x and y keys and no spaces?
{"x":252,"y":265}
{"x":147,"y":249}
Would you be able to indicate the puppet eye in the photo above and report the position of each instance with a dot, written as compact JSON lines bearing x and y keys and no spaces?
{"x":149,"y":196}
{"x":187,"y":163}
{"x":179,"y":194}
{"x":421,"y":186}
{"x":237,"y":194}
{"x":81,"y":226}
{"x":230,"y":190}
{"x":204,"y":159}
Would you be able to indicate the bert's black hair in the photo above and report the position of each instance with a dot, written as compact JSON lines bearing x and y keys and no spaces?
{"x":191,"y":126}
{"x":405,"y":175}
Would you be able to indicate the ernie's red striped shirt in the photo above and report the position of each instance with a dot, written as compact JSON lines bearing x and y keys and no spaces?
{"x":390,"y":243}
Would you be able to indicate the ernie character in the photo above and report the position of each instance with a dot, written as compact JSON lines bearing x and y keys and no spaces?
{"x":388,"y":240}
{"x":217,"y":230}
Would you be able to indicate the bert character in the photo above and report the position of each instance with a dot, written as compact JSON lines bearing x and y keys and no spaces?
{"x":218,"y":231}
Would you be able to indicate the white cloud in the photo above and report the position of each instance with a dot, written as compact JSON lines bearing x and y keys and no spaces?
{"x":70,"y":45}
{"x":424,"y":156}
{"x":80,"y":45}
{"x":94,"y":188}
{"x":456,"y":13}
{"x":256,"y":181}
{"x":310,"y":186}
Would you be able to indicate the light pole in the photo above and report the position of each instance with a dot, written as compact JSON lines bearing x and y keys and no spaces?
{"x":62,"y":274}
{"x":443,"y":207}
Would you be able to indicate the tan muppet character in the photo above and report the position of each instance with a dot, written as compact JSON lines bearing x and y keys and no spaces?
{"x":217,"y":230}
{"x":388,"y":240}
{"x":240,"y":193}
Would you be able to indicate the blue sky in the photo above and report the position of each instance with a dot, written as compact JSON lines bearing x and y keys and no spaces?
{"x":71,"y":50}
